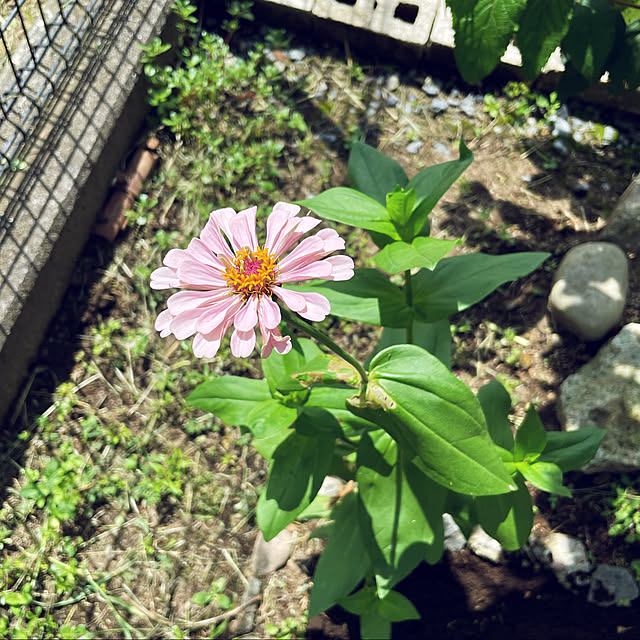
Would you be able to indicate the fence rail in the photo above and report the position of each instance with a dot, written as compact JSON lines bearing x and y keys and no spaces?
{"x":39,"y":42}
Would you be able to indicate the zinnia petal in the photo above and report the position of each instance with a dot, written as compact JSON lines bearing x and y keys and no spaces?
{"x":269,"y":313}
{"x":247,"y":318}
{"x":242,"y":343}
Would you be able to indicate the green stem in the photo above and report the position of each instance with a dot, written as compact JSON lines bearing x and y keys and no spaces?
{"x":409,"y":298}
{"x":294,"y":320}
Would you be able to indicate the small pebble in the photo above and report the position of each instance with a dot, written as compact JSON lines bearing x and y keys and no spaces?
{"x":391,"y":101}
{"x":580,"y":189}
{"x":467,"y":106}
{"x":561,"y":146}
{"x":377,"y":93}
{"x":296,"y":55}
{"x":438,"y":105}
{"x":453,"y":102}
{"x":609,"y":135}
{"x":329,"y":138}
{"x":561,"y":128}
{"x":415,"y":146}
{"x":412,"y":96}
{"x":441,"y":149}
{"x":393,"y":82}
{"x":431,"y":89}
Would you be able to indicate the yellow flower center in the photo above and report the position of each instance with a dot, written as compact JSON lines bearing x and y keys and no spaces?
{"x":252,"y":272}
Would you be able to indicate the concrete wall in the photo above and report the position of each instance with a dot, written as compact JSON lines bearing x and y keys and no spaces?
{"x":88,"y":130}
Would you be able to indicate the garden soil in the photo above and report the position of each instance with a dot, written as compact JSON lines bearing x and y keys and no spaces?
{"x":510,"y":199}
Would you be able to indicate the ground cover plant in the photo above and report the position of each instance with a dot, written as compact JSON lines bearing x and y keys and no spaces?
{"x":128,"y":513}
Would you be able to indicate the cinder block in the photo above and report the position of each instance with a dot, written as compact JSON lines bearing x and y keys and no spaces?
{"x":301,"y":5}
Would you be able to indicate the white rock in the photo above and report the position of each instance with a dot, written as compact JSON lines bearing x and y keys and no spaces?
{"x":590,"y":289}
{"x":606,"y":393}
{"x":623,"y":225}
{"x":270,"y":556}
{"x":454,"y":539}
{"x":484,"y":546}
{"x":566,"y":557}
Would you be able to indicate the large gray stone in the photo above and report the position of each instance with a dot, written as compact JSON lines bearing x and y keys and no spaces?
{"x":590,"y":289}
{"x":606,"y":393}
{"x":612,"y":585}
{"x":623,"y":225}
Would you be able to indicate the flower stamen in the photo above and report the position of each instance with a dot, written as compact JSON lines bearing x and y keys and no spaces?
{"x":252,"y":272}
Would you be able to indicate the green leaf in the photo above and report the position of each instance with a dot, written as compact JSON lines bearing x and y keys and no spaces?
{"x":203,"y":598}
{"x":334,"y":399}
{"x":360,"y":602}
{"x":318,"y":423}
{"x":374,"y":627}
{"x":496,"y":405}
{"x":229,"y":398}
{"x":435,"y":337}
{"x":14,"y":598}
{"x":268,"y":417}
{"x":543,"y":25}
{"x":531,"y":437}
{"x":400,"y":205}
{"x":373,"y":172}
{"x":280,"y":369}
{"x":395,"y":607}
{"x":349,"y":206}
{"x":483,"y":29}
{"x":344,"y":561}
{"x":368,"y":297}
{"x":402,"y":504}
{"x":460,"y":281}
{"x":296,"y":473}
{"x":624,"y":66}
{"x":508,"y":517}
{"x":592,"y":33}
{"x":432,"y":183}
{"x":572,"y":449}
{"x":435,"y":417}
{"x":544,"y":475}
{"x":422,"y":252}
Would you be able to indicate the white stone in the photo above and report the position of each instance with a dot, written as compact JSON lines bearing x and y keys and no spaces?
{"x":566,"y":557}
{"x":270,"y":556}
{"x":606,"y":393}
{"x":484,"y":546}
{"x":590,"y":289}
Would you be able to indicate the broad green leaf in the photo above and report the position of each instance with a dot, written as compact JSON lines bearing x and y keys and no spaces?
{"x":572,"y":449}
{"x":435,"y":337}
{"x":460,"y":281}
{"x":483,"y":29}
{"x":395,"y":607}
{"x":334,"y":399}
{"x":373,"y":172}
{"x":296,"y":473}
{"x":422,"y":252}
{"x":374,"y":627}
{"x":544,"y":475}
{"x":273,"y":435}
{"x":326,"y":369}
{"x":531,"y":437}
{"x":508,"y":517}
{"x":496,"y":405}
{"x":361,"y":601}
{"x":320,"y":507}
{"x":400,"y":204}
{"x":624,"y":66}
{"x":543,"y":25}
{"x":592,"y":32}
{"x":402,"y":504}
{"x":368,"y":297}
{"x":268,"y":417}
{"x":280,"y":369}
{"x":432,"y":183}
{"x":345,"y":560}
{"x":435,"y":417}
{"x":316,"y":422}
{"x":229,"y":398}
{"x":349,"y":206}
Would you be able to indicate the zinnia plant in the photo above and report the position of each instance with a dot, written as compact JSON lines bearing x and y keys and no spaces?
{"x":411,"y":441}
{"x":230,"y":279}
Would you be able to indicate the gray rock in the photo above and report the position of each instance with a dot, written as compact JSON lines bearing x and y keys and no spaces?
{"x":391,"y":101}
{"x":605,"y":393}
{"x":623,"y":225}
{"x":296,"y":55}
{"x":609,"y":135}
{"x":560,"y":146}
{"x":484,"y":546}
{"x":561,"y":128}
{"x":270,"y":556}
{"x":431,"y":89}
{"x":590,"y":289}
{"x":438,"y":105}
{"x":580,"y":189}
{"x":415,"y":146}
{"x":454,"y":539}
{"x":441,"y":149}
{"x":468,"y":107}
{"x":565,"y":556}
{"x":328,"y":138}
{"x":393,"y":82}
{"x":412,"y":96}
{"x":377,"y":93}
{"x":612,"y":585}
{"x":331,"y":486}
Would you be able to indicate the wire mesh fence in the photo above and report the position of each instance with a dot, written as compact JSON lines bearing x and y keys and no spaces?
{"x":39,"y":42}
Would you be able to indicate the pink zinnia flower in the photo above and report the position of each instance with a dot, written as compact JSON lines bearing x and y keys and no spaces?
{"x":233,"y":280}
